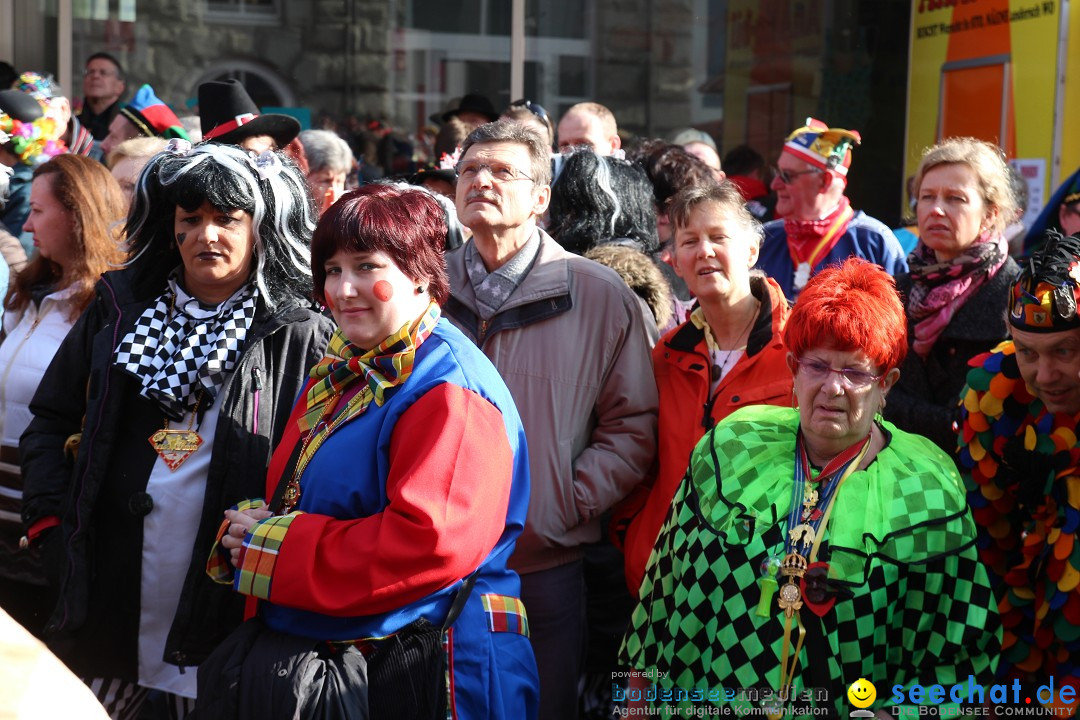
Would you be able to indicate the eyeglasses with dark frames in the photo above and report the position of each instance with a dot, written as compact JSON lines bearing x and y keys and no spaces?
{"x":788,"y":176}
{"x":535,"y":108}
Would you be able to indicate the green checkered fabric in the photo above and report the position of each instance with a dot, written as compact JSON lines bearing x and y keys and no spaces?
{"x":913,"y":604}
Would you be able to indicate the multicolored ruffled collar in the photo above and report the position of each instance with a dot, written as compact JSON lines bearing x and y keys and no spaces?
{"x":33,"y":143}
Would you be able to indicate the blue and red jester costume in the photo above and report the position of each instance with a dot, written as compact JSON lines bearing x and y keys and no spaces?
{"x":397,"y":506}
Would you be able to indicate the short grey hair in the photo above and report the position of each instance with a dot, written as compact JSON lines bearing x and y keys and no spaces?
{"x":510,"y":131}
{"x":326,"y":151}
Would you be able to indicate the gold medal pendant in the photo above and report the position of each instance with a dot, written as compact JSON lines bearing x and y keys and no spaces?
{"x":793,"y":566}
{"x":175,"y":446}
{"x":790,"y":598}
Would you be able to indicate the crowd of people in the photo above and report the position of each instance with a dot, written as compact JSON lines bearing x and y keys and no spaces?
{"x":547,"y":427}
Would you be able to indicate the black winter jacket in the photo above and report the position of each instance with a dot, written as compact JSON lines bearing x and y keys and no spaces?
{"x":95,"y":554}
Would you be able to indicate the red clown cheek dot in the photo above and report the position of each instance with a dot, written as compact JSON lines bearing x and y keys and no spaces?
{"x":383,"y":290}
{"x":329,"y":304}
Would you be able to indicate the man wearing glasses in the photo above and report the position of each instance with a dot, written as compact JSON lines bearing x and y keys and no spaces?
{"x":819,"y":226}
{"x":568,"y":337}
{"x":103,"y":86}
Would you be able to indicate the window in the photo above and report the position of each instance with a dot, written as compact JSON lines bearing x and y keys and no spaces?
{"x":262,"y":12}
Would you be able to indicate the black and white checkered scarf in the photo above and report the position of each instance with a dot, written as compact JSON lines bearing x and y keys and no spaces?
{"x":179,"y":347}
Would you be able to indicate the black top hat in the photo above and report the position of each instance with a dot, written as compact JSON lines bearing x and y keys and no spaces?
{"x":473,"y":102}
{"x":19,"y":105}
{"x":228,"y":115}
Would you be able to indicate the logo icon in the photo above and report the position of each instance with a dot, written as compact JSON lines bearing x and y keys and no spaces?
{"x":862,"y":695}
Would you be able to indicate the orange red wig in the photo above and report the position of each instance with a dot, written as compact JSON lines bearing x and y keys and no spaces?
{"x":853,"y":306}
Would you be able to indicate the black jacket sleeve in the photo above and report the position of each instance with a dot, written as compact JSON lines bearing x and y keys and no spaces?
{"x":58,"y":409}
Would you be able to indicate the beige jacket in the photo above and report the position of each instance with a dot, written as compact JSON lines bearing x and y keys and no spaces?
{"x":12,"y":251}
{"x":571,"y":345}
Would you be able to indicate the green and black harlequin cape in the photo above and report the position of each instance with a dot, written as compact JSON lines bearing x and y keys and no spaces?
{"x":912,"y":601}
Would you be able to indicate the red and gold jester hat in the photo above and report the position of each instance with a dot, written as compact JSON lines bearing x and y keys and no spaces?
{"x":1045,"y":294}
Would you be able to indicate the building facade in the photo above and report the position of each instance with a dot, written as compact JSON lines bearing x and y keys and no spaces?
{"x":746,"y":71}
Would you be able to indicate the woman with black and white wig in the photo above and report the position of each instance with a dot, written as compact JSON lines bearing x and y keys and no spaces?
{"x":179,"y":378}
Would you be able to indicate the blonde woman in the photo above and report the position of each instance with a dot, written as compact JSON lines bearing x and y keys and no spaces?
{"x":957,"y":288}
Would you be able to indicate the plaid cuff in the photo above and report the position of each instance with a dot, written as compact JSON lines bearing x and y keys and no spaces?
{"x":219,"y":565}
{"x":259,"y":554}
{"x":506,"y":614}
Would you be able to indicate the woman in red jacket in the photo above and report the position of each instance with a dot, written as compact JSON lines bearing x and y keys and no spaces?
{"x":728,"y":354}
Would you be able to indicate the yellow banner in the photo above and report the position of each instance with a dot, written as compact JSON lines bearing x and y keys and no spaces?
{"x":988,"y":69}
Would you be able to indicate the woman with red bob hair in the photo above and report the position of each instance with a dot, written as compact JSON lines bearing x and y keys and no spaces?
{"x":401,"y":482}
{"x":810,"y":546}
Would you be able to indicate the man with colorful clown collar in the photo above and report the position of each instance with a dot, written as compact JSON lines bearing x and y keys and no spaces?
{"x":819,"y":226}
{"x":1019,"y":447}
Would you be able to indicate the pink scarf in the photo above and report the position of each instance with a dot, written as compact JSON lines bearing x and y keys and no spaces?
{"x":939,"y":289}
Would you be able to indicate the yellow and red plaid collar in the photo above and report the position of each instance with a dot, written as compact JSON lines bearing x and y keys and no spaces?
{"x":386,"y":366}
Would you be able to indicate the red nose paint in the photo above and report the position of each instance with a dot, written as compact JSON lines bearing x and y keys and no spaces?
{"x":383,"y":290}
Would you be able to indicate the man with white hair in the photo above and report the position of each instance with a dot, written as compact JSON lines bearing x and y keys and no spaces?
{"x":330,"y":160}
{"x":701,"y":145}
{"x":819,"y":226}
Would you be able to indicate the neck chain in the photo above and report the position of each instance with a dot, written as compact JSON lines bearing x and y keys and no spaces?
{"x":811,"y":506}
{"x":718,"y":370}
{"x":176,"y":446}
{"x":315,"y":437}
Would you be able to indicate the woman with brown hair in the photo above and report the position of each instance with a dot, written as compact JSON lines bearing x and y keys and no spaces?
{"x":179,"y":376}
{"x":74,"y":205}
{"x":398,"y":492}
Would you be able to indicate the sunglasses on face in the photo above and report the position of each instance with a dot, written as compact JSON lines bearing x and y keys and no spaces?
{"x":535,"y":108}
{"x":788,"y":176}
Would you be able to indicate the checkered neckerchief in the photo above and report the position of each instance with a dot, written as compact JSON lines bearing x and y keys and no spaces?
{"x":492,"y":289}
{"x":179,"y":347}
{"x":386,"y":366}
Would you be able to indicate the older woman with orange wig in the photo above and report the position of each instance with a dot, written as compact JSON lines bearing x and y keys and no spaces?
{"x":808,"y":547}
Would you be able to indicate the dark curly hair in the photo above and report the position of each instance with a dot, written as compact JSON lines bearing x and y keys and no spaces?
{"x":670,"y":168}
